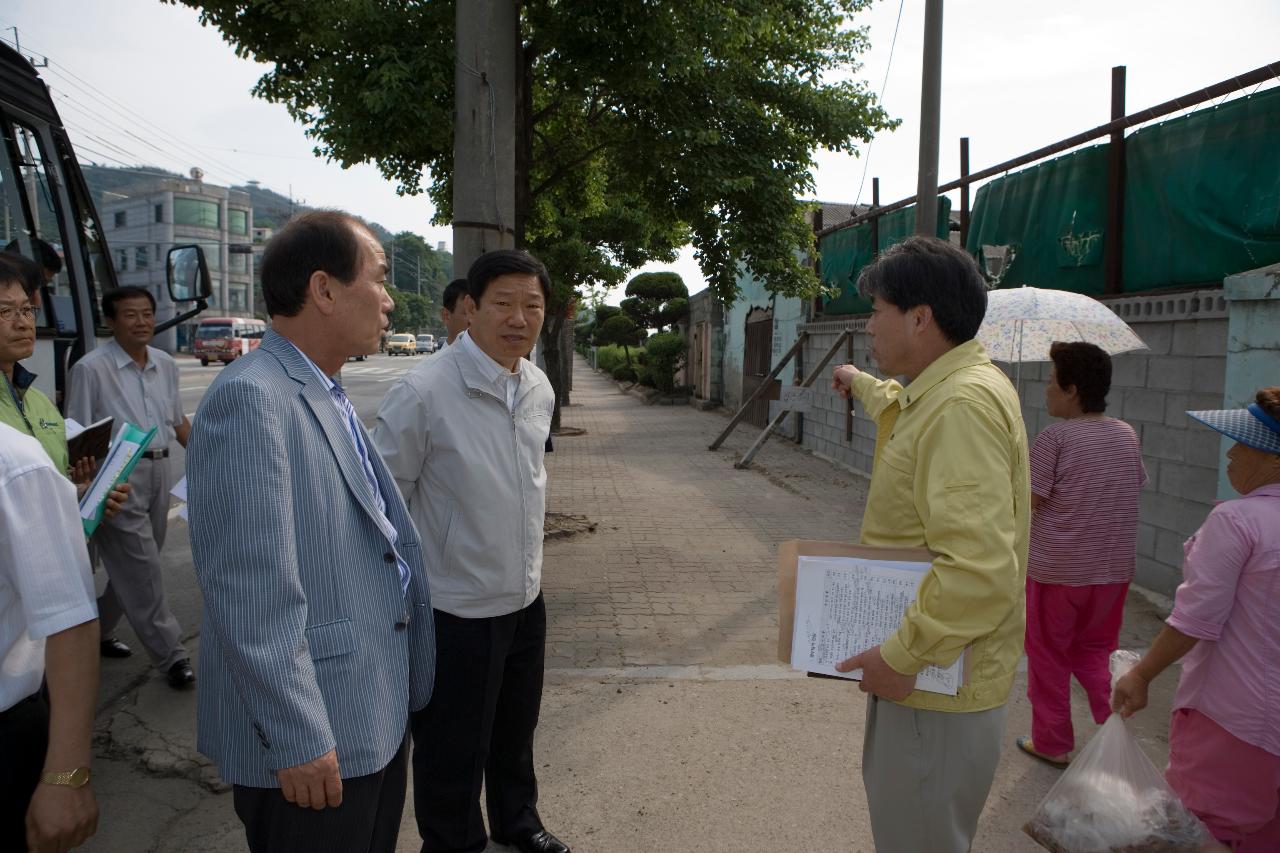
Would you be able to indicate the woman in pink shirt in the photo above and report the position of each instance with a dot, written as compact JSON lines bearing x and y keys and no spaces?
{"x":1086,"y":474}
{"x":1224,"y":739}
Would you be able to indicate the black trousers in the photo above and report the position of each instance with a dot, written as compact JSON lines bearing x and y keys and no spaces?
{"x":478,"y":728}
{"x":24,"y":739}
{"x":368,"y":821}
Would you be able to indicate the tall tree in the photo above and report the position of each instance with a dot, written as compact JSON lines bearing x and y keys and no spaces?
{"x":643,"y":124}
{"x":656,"y":300}
{"x":413,"y":313}
{"x":417,"y":268}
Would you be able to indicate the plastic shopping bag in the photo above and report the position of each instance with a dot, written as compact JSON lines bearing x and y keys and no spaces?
{"x":1112,"y":799}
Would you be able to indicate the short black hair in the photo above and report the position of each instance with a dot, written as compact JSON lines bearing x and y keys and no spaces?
{"x":317,"y":240}
{"x":113,"y":296}
{"x":502,"y":262}
{"x":1087,"y":367}
{"x":21,"y":270}
{"x":929,"y":271}
{"x":48,"y":256}
{"x":449,"y":299}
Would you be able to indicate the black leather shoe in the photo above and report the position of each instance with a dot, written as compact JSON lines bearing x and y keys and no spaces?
{"x":180,"y":675}
{"x":538,"y":842}
{"x":113,"y":648}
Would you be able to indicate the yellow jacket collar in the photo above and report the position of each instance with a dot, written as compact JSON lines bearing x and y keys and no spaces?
{"x":968,"y":354}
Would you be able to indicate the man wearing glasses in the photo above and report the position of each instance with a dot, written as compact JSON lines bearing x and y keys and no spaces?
{"x":22,"y":406}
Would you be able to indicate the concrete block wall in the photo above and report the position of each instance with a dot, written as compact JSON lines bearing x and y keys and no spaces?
{"x":716,"y":393}
{"x":705,"y":308}
{"x":824,"y":425}
{"x":1184,"y":369}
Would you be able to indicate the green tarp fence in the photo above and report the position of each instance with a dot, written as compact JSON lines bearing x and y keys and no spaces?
{"x":1202,"y":201}
{"x":845,"y":252}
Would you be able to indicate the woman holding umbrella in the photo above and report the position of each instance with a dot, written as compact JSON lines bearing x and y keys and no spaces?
{"x":1224,"y":738}
{"x":1086,"y":474}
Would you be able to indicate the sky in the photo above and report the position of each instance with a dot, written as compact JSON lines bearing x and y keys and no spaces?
{"x":141,"y":81}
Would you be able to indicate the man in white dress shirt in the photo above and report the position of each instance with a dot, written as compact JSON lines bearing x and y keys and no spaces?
{"x":129,"y":380}
{"x":48,"y":631}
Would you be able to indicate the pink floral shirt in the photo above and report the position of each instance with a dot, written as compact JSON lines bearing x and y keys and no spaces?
{"x":1230,"y":600}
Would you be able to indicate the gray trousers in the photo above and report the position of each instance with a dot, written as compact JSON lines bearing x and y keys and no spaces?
{"x":130,"y":547}
{"x":927,"y":775}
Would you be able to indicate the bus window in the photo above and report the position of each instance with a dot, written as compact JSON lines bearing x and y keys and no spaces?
{"x":37,"y":235}
{"x":101,"y":277}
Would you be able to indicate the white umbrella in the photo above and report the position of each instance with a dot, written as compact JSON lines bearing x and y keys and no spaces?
{"x":1022,"y":322}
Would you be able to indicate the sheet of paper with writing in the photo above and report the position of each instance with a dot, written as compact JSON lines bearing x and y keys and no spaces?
{"x":846,"y":605}
{"x":110,"y":473}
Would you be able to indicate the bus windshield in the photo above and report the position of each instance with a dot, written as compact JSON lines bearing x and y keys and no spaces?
{"x":213,"y":332}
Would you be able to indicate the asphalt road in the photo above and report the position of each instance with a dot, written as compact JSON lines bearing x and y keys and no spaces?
{"x":365,"y":382}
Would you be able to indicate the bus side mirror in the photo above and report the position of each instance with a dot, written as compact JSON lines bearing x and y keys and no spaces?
{"x":188,"y":274}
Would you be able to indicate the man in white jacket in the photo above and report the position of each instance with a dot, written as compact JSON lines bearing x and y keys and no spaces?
{"x":463,"y":433}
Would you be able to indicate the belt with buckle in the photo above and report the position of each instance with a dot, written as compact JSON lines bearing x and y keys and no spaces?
{"x":156,"y":454}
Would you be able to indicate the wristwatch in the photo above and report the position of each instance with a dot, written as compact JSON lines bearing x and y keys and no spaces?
{"x":77,"y":778}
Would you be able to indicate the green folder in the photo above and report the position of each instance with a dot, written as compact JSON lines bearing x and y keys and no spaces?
{"x":126,"y":450}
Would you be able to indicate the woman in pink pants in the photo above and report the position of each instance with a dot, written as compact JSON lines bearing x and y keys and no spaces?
{"x":1224,"y":739}
{"x":1086,"y":473}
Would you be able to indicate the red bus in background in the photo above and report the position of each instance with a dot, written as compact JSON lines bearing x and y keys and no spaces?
{"x":226,"y":338}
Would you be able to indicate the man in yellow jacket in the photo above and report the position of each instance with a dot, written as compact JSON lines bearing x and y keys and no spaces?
{"x":951,"y":475}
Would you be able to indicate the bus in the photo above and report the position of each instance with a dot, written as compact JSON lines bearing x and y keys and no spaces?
{"x":47,"y":214}
{"x":225,"y":339}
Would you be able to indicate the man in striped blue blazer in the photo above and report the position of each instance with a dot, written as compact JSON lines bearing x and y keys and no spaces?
{"x":318,"y":636}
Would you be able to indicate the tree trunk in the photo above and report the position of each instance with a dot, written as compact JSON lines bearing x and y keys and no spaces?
{"x":524,"y":137}
{"x":554,"y":357}
{"x":552,"y":353}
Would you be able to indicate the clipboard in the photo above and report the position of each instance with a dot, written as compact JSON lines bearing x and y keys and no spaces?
{"x":121,"y":459}
{"x":789,"y":554}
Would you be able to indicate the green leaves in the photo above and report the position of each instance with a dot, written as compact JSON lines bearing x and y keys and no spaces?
{"x":412,"y":313}
{"x":653,"y":123}
{"x":620,"y":330}
{"x":656,"y":300}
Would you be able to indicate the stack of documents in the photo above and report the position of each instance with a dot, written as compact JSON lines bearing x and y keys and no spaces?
{"x":838,"y":600}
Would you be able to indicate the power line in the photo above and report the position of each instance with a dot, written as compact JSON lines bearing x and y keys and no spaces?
{"x":136,"y":159}
{"x":119,"y":128}
{"x":64,"y":71}
{"x":71,"y":78}
{"x":866,"y":163}
{"x":166,"y":157}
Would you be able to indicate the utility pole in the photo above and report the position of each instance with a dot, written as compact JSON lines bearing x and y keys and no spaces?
{"x":393,"y":261}
{"x":484,"y":138}
{"x":1113,"y":245}
{"x":930,"y":108}
{"x":17,"y":45}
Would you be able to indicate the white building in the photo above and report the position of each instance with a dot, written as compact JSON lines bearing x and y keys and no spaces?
{"x":143,"y":221}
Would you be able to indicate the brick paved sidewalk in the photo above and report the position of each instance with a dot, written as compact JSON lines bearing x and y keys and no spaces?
{"x":681,"y":573}
{"x":682,"y":568}
{"x":667,"y":723}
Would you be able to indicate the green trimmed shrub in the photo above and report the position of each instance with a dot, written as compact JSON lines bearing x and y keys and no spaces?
{"x":622,"y":373}
{"x":610,"y":357}
{"x":644,"y":376}
{"x":665,"y":356}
